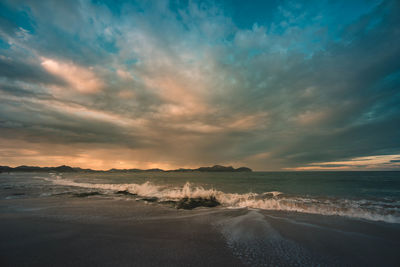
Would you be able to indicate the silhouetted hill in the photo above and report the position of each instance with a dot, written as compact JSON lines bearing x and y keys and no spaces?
{"x":243,"y":169}
{"x":216,"y":168}
{"x":219,"y":168}
{"x":64,"y":168}
{"x":24,"y":168}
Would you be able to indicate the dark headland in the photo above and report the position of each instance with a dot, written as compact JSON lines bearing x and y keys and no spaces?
{"x":64,"y":168}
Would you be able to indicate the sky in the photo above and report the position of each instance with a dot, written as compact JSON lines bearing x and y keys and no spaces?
{"x":272,"y":85}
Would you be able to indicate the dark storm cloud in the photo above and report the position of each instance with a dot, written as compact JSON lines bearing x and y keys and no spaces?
{"x":27,"y":72}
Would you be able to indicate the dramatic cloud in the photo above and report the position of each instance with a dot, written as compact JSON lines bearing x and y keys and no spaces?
{"x":78,"y":78}
{"x":274,"y":86}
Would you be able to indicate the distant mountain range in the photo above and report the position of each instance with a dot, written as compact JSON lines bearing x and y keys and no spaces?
{"x":64,"y":168}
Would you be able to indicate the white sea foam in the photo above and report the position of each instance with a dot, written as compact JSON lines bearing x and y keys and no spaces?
{"x":363,"y":209}
{"x":250,"y":236}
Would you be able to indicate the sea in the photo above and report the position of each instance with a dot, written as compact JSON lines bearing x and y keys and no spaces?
{"x":262,"y":219}
{"x":367,"y":195}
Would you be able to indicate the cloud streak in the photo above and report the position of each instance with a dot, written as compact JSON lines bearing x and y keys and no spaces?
{"x":81,"y":79}
{"x":175,"y":84}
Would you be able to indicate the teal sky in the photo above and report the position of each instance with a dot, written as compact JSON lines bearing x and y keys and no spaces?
{"x":273,"y":85}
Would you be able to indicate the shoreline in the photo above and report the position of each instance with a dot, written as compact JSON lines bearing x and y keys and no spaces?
{"x":105,"y":231}
{"x":49,"y":220}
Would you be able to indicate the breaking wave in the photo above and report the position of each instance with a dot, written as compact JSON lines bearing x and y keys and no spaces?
{"x":383,"y":210}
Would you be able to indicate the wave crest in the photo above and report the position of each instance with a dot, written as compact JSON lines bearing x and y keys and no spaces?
{"x":388,"y":211}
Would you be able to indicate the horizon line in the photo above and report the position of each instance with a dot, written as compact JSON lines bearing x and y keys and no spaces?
{"x":194,"y":168}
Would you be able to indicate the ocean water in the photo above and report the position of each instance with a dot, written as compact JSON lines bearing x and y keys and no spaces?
{"x":265,"y":218}
{"x":371,"y":196}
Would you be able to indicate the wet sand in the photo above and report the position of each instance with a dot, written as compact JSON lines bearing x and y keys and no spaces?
{"x":99,"y":231}
{"x":92,"y":231}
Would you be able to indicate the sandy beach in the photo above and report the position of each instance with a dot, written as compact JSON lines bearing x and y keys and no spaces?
{"x":97,"y":231}
{"x":107,"y":233}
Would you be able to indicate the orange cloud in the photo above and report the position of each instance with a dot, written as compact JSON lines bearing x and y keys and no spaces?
{"x":79,"y":78}
{"x":371,"y":162}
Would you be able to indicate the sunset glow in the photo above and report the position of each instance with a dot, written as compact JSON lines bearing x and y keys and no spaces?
{"x":169,"y":84}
